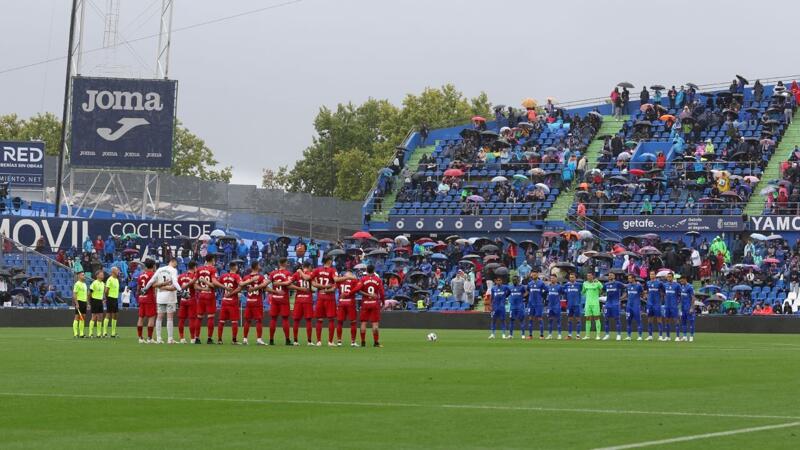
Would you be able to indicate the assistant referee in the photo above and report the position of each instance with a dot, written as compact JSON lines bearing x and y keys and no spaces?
{"x":97,"y":288}
{"x":112,"y":305}
{"x":79,"y":301}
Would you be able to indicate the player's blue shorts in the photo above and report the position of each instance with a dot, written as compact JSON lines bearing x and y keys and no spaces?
{"x":671,"y":312}
{"x":517,"y":314}
{"x":635,"y":313}
{"x":687,"y":316}
{"x":499,"y":313}
{"x":554,"y":312}
{"x":536,"y":311}
{"x":612,"y":311}
{"x":653,"y":310}
{"x":574,"y":311}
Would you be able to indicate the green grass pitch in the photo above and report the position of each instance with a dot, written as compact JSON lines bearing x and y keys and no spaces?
{"x":463,"y":391}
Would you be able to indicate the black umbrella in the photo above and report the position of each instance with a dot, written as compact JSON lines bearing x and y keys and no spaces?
{"x":238,"y":262}
{"x":481,"y":241}
{"x":421,"y":293}
{"x":692,"y":233}
{"x":416,"y":274}
{"x":228,"y":237}
{"x":452,"y":238}
{"x":509,"y":240}
{"x":642,"y":123}
{"x":501,"y":143}
{"x":467,"y":133}
{"x":619,"y":178}
{"x":688,"y":119}
{"x":378,"y":252}
{"x":657,"y":87}
{"x":594,"y":113}
{"x":528,"y":244}
{"x":285,"y":239}
{"x":501,"y":272}
{"x":20,"y":277}
{"x":390,"y":275}
{"x":35,"y":279}
{"x":491,"y":267}
{"x":742,"y":79}
{"x":402,"y":298}
{"x":753,"y":110}
{"x":489,"y":134}
{"x":693,"y":86}
{"x":617,"y":271}
{"x":466,"y":261}
{"x":398,"y":260}
{"x":606,"y":256}
{"x":489,"y":248}
{"x":625,"y":84}
{"x":611,"y":239}
{"x":335,"y":252}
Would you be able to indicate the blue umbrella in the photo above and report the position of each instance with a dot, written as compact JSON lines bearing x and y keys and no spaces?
{"x":429,"y":244}
{"x":438,"y":256}
{"x":742,"y":287}
{"x":648,"y":156}
{"x":709,"y":287}
{"x":385,"y":171}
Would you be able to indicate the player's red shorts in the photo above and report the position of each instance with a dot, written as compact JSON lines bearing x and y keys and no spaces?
{"x":278,"y":308}
{"x":303,"y":310}
{"x":187,"y":309}
{"x":370,"y":313}
{"x":147,"y":309}
{"x":346,"y":311}
{"x":228,"y":311}
{"x":325,"y":308}
{"x":206,"y":303}
{"x":254,"y":311}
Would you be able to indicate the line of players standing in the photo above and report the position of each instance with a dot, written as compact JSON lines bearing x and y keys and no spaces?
{"x":668,"y":303}
{"x":200,"y":301}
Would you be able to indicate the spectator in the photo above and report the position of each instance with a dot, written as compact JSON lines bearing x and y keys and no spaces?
{"x":647,"y":208}
{"x":109,"y":248}
{"x":99,"y":245}
{"x":644,"y":96}
{"x":300,"y":249}
{"x":87,"y":245}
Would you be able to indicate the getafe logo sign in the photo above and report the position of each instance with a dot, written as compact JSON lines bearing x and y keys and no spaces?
{"x":122,"y":123}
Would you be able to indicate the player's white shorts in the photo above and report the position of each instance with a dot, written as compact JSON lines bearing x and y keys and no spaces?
{"x":167,"y":307}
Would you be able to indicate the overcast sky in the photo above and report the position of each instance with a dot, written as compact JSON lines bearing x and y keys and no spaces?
{"x":251,"y":86}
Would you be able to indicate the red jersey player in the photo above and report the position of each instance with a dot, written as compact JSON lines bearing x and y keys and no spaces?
{"x":371,"y":289}
{"x":280,"y":279}
{"x":230,"y":307}
{"x":205,"y":282}
{"x":346,"y":310}
{"x":147,"y":301}
{"x":324,"y":280}
{"x":303,"y":300}
{"x":255,"y":302}
{"x":188,"y":306}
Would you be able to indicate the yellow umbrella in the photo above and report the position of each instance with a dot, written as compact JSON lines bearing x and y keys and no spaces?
{"x":529,"y":103}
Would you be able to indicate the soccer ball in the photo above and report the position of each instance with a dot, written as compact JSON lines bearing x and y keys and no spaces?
{"x":432,"y":337}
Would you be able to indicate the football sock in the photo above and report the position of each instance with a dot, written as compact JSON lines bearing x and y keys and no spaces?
{"x":219,"y":330}
{"x":331,"y":327}
{"x":295,"y":328}
{"x":578,"y":328}
{"x":246,"y":330}
{"x":650,"y":328}
{"x":308,"y":330}
{"x":170,"y":331}
{"x":81,"y":326}
{"x":619,"y":325}
{"x":511,"y":327}
{"x":235,"y":329}
{"x":105,"y":325}
{"x":363,"y":335}
{"x":660,"y":329}
{"x":569,"y":327}
{"x":541,"y":327}
{"x":91,"y":327}
{"x":608,"y":325}
{"x":272,"y":324}
{"x":259,"y":329}
{"x":139,"y":331}
{"x":352,"y":331}
{"x":494,"y":326}
{"x":285,"y":323}
{"x":375,"y":335}
{"x":181,"y":323}
{"x":588,"y":326}
{"x":75,"y":327}
{"x":598,"y":325}
{"x":159,"y":322}
{"x":149,"y":332}
{"x":319,"y":330}
{"x":113,"y":327}
{"x":691,"y":327}
{"x":669,"y":327}
{"x":339,"y":331}
{"x":210,"y":327}
{"x":558,"y":323}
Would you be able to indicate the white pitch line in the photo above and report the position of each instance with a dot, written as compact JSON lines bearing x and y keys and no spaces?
{"x":701,"y":436}
{"x":394,"y":405}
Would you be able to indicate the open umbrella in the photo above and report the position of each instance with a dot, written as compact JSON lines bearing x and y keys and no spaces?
{"x":468,"y":133}
{"x":501,"y":272}
{"x":471,"y":256}
{"x":499,"y":179}
{"x":649,"y":251}
{"x":397,"y":260}
{"x":692,"y":233}
{"x":490,"y":248}
{"x":585,"y":234}
{"x":217,"y":233}
{"x":774,"y":237}
{"x":401,"y":240}
{"x":770,"y":261}
{"x":453,"y":173}
{"x":636,"y":172}
{"x":543,"y":187}
{"x":520,"y":177}
{"x":570,"y":234}
{"x":742,"y":288}
{"x":625,"y":84}
{"x":488,"y":258}
{"x":550,"y":234}
{"x":478,"y":119}
{"x":657,"y":87}
{"x":693,"y":86}
{"x":528,"y":244}
{"x":378,"y":252}
{"x":129,"y":236}
{"x":439,"y":256}
{"x":475,"y":198}
{"x":536,"y":171}
{"x":130,"y":251}
{"x":642,"y":123}
{"x":649,"y":236}
{"x":663,"y":273}
{"x":565,"y":265}
{"x":204,"y":237}
{"x":767,"y":190}
{"x":645,"y":107}
{"x":336,"y":252}
{"x":742,"y":79}
{"x":751,"y":179}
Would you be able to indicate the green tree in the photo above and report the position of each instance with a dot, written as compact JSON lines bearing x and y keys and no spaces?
{"x":370,"y":132}
{"x":275,"y":179}
{"x":191,"y":157}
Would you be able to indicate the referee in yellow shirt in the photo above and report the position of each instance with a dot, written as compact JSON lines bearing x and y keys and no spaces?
{"x":97,"y":288}
{"x":112,"y":305}
{"x":79,"y":301}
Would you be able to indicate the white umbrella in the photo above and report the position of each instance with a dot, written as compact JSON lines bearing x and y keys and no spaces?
{"x":204,"y":237}
{"x":361,"y":266}
{"x":751,"y":179}
{"x":543,"y":187}
{"x":461,"y":241}
{"x":624,"y":156}
{"x":401,"y":240}
{"x":585,"y":234}
{"x":536,"y":171}
{"x":663,"y":273}
{"x":758,"y":237}
{"x":217,"y":233}
{"x":499,"y":179}
{"x":767,"y":190}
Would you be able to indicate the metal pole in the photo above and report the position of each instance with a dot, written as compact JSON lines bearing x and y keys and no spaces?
{"x":65,"y":111}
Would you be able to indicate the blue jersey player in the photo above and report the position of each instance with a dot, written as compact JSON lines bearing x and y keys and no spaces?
{"x":535,"y":311}
{"x":499,"y":294}
{"x":654,"y":290}
{"x":633,"y":308}
{"x":516,"y":298}
{"x":687,"y":310}
{"x":572,"y":290}
{"x":672,"y":294}
{"x":614,"y":291}
{"x":554,"y":294}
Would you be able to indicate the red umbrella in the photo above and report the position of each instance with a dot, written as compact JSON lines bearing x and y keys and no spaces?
{"x":439,"y":246}
{"x":771,"y":261}
{"x":386,"y":241}
{"x":637,"y":172}
{"x":478,"y":119}
{"x":362,"y":235}
{"x":453,"y":172}
{"x":549,"y":234}
{"x":423,"y":240}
